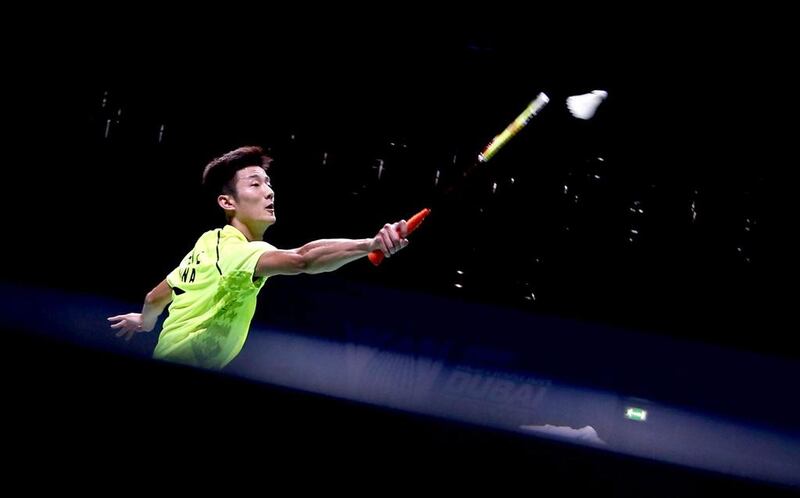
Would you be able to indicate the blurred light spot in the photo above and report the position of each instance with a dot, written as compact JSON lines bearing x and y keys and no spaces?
{"x":380,"y":168}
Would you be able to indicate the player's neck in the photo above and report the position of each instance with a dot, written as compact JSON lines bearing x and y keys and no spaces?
{"x":251,"y":233}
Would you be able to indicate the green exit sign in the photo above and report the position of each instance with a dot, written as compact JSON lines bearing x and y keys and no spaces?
{"x":637,"y":414}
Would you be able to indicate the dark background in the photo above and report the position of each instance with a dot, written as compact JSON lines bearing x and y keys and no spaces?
{"x":688,"y":151}
{"x":694,"y":157}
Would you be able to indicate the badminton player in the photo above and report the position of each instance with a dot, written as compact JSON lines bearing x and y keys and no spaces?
{"x":212,"y":293}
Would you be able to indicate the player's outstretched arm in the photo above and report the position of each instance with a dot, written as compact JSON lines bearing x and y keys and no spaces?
{"x":331,"y":254}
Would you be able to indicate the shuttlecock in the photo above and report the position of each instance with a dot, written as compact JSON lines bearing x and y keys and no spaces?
{"x":584,"y":106}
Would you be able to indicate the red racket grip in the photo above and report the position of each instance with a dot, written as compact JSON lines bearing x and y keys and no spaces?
{"x":376,"y":257}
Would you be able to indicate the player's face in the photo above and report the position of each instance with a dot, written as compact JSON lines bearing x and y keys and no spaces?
{"x":255,"y":197}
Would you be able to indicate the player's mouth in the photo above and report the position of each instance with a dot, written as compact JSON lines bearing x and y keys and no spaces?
{"x":271,"y":208}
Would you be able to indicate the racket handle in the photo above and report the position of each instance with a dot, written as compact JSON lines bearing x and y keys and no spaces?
{"x":376,"y":257}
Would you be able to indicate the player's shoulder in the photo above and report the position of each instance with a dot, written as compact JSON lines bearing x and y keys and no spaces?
{"x":263,"y":245}
{"x":210,"y":236}
{"x":229,"y":236}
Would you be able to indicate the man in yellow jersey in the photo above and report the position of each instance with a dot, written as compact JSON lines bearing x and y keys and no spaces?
{"x":213,"y":290}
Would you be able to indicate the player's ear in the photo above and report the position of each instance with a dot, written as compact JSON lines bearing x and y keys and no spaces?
{"x":226,"y":201}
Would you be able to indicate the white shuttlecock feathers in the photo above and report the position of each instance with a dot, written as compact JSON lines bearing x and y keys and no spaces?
{"x":584,"y":106}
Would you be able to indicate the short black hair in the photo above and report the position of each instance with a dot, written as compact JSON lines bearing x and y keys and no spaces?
{"x":218,"y":175}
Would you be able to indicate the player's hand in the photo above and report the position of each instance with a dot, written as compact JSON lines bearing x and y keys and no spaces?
{"x":128,"y":325}
{"x":391,"y":238}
